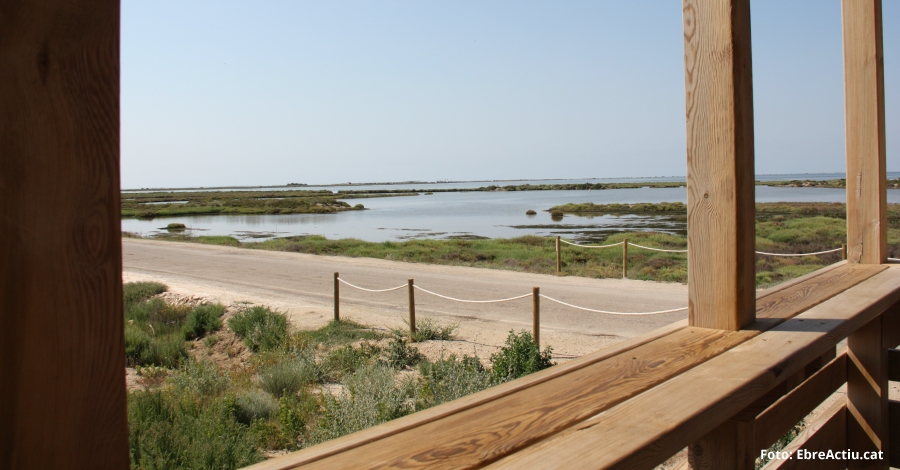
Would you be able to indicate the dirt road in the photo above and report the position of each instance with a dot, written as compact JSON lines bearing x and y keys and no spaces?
{"x":301,"y":285}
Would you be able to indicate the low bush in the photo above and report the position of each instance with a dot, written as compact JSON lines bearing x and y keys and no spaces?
{"x":260,"y":328}
{"x":253,"y":405}
{"x":134,"y":292}
{"x":287,"y":377}
{"x":346,"y":360}
{"x":199,"y":379}
{"x":342,"y":331}
{"x":203,"y":319}
{"x":451,"y":378}
{"x":519,"y":357}
{"x":428,"y":330}
{"x":399,"y":354}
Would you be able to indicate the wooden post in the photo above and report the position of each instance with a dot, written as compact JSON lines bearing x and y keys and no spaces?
{"x":843,"y":251}
{"x":625,"y":259}
{"x":536,"y":315}
{"x":412,"y":308}
{"x":720,"y":181}
{"x":864,"y":120}
{"x":558,"y":256}
{"x":867,"y":393}
{"x":337,"y":298}
{"x":62,"y":349}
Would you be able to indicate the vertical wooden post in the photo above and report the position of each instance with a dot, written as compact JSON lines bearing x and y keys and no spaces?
{"x":843,"y":251}
{"x":62,"y":349}
{"x":720,"y":178}
{"x":867,"y":393}
{"x":864,"y":120}
{"x":625,"y":259}
{"x":337,"y":298}
{"x":412,"y":308}
{"x":536,"y":315}
{"x":558,"y":256}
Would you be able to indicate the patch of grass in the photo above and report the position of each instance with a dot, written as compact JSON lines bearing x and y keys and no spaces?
{"x":339,"y":332}
{"x":254,"y":405}
{"x":428,"y":329}
{"x":199,"y":378}
{"x":260,"y":328}
{"x":345,"y":360}
{"x":167,"y":204}
{"x":519,"y":357}
{"x":134,"y":292}
{"x":203,"y":319}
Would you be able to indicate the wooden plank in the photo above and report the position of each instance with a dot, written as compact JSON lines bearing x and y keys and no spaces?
{"x":394,"y":434}
{"x":894,"y":365}
{"x":721,"y":209}
{"x":867,"y":393}
{"x":62,"y":362}
{"x":645,"y":430}
{"x":894,"y":419}
{"x":864,"y":120}
{"x":829,"y":432}
{"x":779,"y":418}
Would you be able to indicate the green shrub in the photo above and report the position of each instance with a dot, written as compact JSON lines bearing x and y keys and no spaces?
{"x":260,"y":328}
{"x":372,"y":397}
{"x":294,"y":413}
{"x":133,"y":292}
{"x":400,"y":354}
{"x":166,"y":432}
{"x":428,"y":330}
{"x":451,"y":378}
{"x":203,"y":319}
{"x":288,"y":377}
{"x":519,"y":357}
{"x":254,"y":404}
{"x":342,"y":331}
{"x":199,"y":378}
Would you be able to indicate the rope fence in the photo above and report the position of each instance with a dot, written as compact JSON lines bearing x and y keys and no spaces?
{"x":625,"y":244}
{"x":535,"y":296}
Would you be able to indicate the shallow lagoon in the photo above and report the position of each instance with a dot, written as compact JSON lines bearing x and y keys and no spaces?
{"x":482,"y":214}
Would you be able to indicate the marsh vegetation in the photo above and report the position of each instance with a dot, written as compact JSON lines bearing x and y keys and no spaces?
{"x":225,"y":391}
{"x":170,"y":204}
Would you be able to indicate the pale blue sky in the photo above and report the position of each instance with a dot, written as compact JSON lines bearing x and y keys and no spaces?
{"x":273,"y":92}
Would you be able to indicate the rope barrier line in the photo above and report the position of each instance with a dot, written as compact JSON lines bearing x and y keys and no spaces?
{"x":800,"y":254}
{"x":371,"y":290}
{"x":656,"y":249}
{"x":590,"y":246}
{"x":612,"y":313}
{"x":893,"y":259}
{"x":471,"y":301}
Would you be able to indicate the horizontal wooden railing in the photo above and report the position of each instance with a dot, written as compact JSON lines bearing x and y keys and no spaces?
{"x":638,"y":403}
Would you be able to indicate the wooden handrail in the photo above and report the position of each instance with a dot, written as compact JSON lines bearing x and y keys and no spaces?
{"x":636,"y":404}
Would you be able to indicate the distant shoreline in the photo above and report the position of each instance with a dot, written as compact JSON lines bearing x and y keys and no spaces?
{"x":838,"y":175}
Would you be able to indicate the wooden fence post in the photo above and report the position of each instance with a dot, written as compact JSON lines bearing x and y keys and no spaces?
{"x":558,"y":256}
{"x":625,"y":259}
{"x":864,"y":121}
{"x":337,"y":298}
{"x":412,"y":308}
{"x":536,"y":315}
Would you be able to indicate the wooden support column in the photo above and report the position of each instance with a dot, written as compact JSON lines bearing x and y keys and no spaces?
{"x":867,"y":394}
{"x":864,"y":119}
{"x":720,"y":171}
{"x":62,"y":353}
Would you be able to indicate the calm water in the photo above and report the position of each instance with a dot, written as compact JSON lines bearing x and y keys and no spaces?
{"x":485,"y":214}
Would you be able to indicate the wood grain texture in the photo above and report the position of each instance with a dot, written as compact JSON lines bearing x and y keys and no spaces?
{"x":779,"y":418}
{"x":476,"y":430}
{"x":62,"y":380}
{"x":867,"y":393}
{"x":826,"y":433}
{"x":894,"y":420}
{"x":721,"y":210}
{"x":645,"y":430}
{"x":864,"y":120}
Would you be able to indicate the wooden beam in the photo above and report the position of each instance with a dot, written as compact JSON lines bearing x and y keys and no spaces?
{"x":864,"y":120}
{"x":894,"y":365}
{"x":894,"y":419}
{"x":62,"y":354}
{"x":867,"y":394}
{"x":829,"y":432}
{"x":720,"y":181}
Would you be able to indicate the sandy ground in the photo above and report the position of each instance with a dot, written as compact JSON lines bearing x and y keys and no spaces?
{"x":302,"y":286}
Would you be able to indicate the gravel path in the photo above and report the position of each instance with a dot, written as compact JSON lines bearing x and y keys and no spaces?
{"x":301,"y":285}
